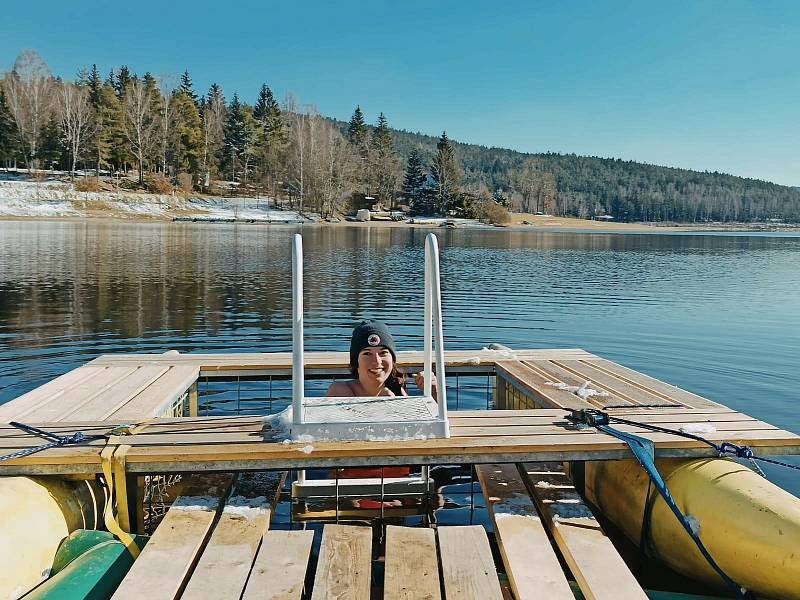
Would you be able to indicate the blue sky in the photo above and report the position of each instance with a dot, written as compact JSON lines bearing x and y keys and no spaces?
{"x":702,"y":85}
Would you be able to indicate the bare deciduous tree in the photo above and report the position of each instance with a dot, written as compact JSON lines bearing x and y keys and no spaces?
{"x":138,"y":122}
{"x":213,"y":132}
{"x":76,"y":116}
{"x":29,"y":97}
{"x":165,"y":118}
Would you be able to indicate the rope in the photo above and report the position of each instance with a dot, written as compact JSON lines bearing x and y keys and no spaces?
{"x":722,"y":449}
{"x":112,"y":459}
{"x":644,"y":452}
{"x":56,"y":441}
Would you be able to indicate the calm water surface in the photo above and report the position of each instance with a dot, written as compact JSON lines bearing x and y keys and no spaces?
{"x":716,"y":314}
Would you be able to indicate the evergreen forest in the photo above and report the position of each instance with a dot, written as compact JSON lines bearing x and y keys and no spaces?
{"x":158,"y":134}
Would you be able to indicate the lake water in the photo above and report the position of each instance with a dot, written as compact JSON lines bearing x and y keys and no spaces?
{"x":716,"y":314}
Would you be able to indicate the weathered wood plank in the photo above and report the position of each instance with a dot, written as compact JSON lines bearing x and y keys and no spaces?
{"x":158,"y":396}
{"x":225,"y":564}
{"x":530,"y":562}
{"x":412,"y":570}
{"x":534,"y":385}
{"x":599,"y":570}
{"x":51,"y":391}
{"x":163,"y":567}
{"x":279,"y":570}
{"x":621,"y":388}
{"x":77,"y":394}
{"x":554,"y":372}
{"x":112,"y":398}
{"x":250,"y":429}
{"x":651,"y":383}
{"x":468,"y":571}
{"x":533,"y":417}
{"x":343,"y":569}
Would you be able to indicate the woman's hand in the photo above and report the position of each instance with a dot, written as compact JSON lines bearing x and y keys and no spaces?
{"x":419,"y":380}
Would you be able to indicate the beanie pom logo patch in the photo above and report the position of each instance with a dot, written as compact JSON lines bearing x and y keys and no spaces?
{"x":374,"y":339}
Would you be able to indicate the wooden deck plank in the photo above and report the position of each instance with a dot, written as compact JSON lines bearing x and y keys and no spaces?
{"x":173,"y":456}
{"x":158,"y":396}
{"x":598,"y":568}
{"x":17,"y":408}
{"x":163,"y":567}
{"x":554,"y":372}
{"x":344,"y":566}
{"x":533,"y":384}
{"x":249,"y":429}
{"x":468,"y":571}
{"x":412,"y":569}
{"x":651,"y":383}
{"x":79,"y":394}
{"x":225,"y":564}
{"x":177,"y":435}
{"x":103,"y":404}
{"x":621,"y":388}
{"x":530,"y":562}
{"x":277,"y":360}
{"x":249,"y":435}
{"x":279,"y":570}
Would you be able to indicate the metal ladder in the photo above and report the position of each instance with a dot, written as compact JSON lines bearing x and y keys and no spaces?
{"x":383,"y":417}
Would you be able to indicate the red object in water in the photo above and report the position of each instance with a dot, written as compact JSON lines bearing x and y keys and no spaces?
{"x":365,"y":472}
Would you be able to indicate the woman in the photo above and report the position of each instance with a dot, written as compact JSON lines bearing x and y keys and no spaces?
{"x":372,"y":365}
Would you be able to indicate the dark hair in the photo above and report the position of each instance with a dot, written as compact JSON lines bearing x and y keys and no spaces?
{"x":396,"y":382}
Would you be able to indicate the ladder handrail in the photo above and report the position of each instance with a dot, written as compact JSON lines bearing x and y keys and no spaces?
{"x":298,"y":369}
{"x":433,"y":304}
{"x":433,"y":329}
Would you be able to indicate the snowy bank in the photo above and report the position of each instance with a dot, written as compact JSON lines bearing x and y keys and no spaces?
{"x":56,"y":199}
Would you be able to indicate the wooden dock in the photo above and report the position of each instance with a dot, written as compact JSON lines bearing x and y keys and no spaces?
{"x":140,"y":389}
{"x":208,"y":546}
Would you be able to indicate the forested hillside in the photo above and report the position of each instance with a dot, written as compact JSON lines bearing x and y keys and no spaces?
{"x":627,"y":190}
{"x":162,"y":134}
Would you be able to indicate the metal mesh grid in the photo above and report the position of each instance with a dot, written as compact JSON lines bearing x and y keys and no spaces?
{"x":368,"y":410}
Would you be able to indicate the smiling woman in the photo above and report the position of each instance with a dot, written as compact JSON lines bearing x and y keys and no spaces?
{"x":372,"y":364}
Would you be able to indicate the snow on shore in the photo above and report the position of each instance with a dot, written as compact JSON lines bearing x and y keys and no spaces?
{"x":55,"y":199}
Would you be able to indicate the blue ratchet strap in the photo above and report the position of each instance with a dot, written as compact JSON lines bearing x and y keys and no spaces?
{"x":644,"y":451}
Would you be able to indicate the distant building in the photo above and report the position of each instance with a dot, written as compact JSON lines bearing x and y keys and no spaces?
{"x":602,"y":218}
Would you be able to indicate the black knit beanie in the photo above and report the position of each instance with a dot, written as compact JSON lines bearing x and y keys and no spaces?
{"x":368,"y":334}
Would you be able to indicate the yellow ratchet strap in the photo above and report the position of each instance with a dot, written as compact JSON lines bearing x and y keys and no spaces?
{"x":113,"y":464}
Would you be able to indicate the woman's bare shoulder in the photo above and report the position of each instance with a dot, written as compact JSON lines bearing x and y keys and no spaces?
{"x":339,"y":388}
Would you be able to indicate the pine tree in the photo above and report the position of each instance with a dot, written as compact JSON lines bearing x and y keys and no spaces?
{"x":265,"y":104}
{"x":94,"y":84}
{"x":445,"y":173}
{"x":186,"y":87}
{"x":235,"y":136}
{"x":8,"y":138}
{"x":189,"y":131}
{"x":357,"y":129}
{"x":384,"y":162}
{"x":122,"y":80}
{"x":111,"y":145}
{"x":52,"y":150}
{"x":414,"y":183}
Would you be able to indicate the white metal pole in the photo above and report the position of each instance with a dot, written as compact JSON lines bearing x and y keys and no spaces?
{"x":436,"y":297}
{"x":428,"y":332}
{"x":298,"y":372}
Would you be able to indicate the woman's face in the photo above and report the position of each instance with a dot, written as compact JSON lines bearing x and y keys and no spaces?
{"x":374,"y":365}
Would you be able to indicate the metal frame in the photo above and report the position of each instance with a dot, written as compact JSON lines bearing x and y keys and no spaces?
{"x":436,"y":425}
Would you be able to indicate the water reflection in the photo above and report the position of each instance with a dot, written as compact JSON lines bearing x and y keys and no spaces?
{"x":716,"y":314}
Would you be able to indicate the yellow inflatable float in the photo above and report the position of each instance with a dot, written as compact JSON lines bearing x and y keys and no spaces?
{"x":750,"y":526}
{"x":37,"y":513}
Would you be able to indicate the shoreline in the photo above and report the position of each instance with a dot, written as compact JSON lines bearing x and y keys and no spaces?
{"x":567,"y":225}
{"x":58,"y":201}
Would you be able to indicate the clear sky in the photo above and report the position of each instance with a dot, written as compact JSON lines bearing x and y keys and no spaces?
{"x":697,"y":84}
